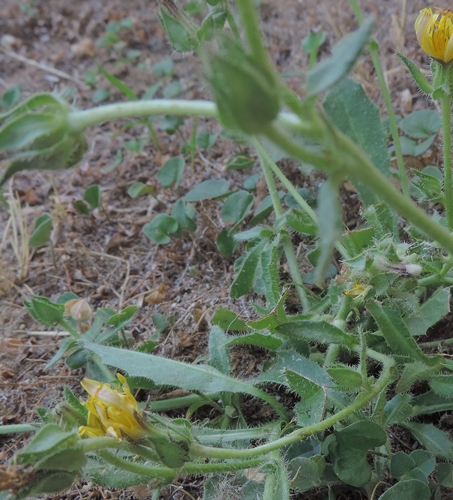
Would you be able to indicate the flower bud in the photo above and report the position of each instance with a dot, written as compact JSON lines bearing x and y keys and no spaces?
{"x":78,"y":309}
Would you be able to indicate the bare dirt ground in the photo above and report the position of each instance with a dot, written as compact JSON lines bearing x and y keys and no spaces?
{"x":106,"y":258}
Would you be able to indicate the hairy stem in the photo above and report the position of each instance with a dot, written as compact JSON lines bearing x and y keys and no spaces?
{"x":445,"y":103}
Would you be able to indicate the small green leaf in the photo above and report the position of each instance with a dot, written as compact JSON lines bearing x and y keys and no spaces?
{"x":226,"y":243}
{"x":306,"y":473}
{"x":11,"y":97}
{"x":160,"y":228}
{"x":218,"y":355}
{"x":81,"y":207}
{"x":163,"y":68}
{"x":444,"y":474}
{"x":239,"y":161}
{"x":350,"y":465}
{"x":138,"y":189}
{"x":237,"y":206}
{"x":48,"y":439}
{"x":421,"y":124}
{"x":170,"y":174}
{"x":436,"y":442}
{"x":259,"y":339}
{"x":71,"y":459}
{"x":345,"y":377}
{"x":172,"y":90}
{"x":246,"y":274}
{"x":301,"y":222}
{"x":184,"y":215}
{"x":135,"y":145}
{"x":331,"y":228}
{"x":310,"y":409}
{"x":41,"y":233}
{"x":317,"y":331}
{"x":401,"y":464}
{"x":417,"y":74}
{"x":442,"y":385}
{"x":27,"y":129}
{"x":44,"y":311}
{"x":123,"y":317}
{"x":208,"y":190}
{"x":122,"y":87}
{"x":362,"y":435}
{"x":396,"y":333}
{"x":344,"y":55}
{"x":213,"y":21}
{"x":100,"y":95}
{"x":92,"y":196}
{"x":229,"y":321}
{"x":431,"y":311}
{"x":407,"y":490}
{"x":180,"y":39}
{"x":53,"y":482}
{"x":397,"y":409}
{"x":205,"y":140}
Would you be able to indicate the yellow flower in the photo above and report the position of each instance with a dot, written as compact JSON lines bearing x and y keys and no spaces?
{"x":435,"y":33}
{"x":358,"y":290}
{"x":111,"y":412}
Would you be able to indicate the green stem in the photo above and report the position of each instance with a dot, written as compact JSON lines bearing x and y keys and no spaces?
{"x":182,"y":402}
{"x":435,"y":279}
{"x":194,"y":468}
{"x":154,"y":471}
{"x":361,"y":167}
{"x":331,"y":355}
{"x":445,"y":103}
{"x":17,"y":428}
{"x":80,"y":120}
{"x":231,"y":20}
{"x":251,"y":24}
{"x":436,"y":343}
{"x":142,"y":470}
{"x":284,"y":180}
{"x":66,"y":326}
{"x":357,"y":11}
{"x":293,"y":192}
{"x":373,"y":47}
{"x":288,"y":248}
{"x":299,"y":434}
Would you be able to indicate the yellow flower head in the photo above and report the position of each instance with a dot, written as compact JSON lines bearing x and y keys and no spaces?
{"x":111,"y":412}
{"x":435,"y":33}
{"x":357,"y":291}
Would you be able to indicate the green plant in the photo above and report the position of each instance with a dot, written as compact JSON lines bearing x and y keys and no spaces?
{"x":349,"y":353}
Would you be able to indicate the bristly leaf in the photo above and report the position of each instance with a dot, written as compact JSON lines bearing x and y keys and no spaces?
{"x":352,"y":111}
{"x":417,"y":74}
{"x":396,"y":333}
{"x":168,"y":372}
{"x":44,"y":311}
{"x":218,"y":354}
{"x":246,"y":275}
{"x":267,"y":281}
{"x":329,"y":212}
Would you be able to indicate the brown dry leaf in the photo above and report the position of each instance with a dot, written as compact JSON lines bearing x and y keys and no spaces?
{"x":84,"y":48}
{"x":31,"y":197}
{"x":90,"y":273}
{"x":6,"y":373}
{"x":78,"y":309}
{"x":116,"y":241}
{"x":254,"y":475}
{"x":157,"y":295}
